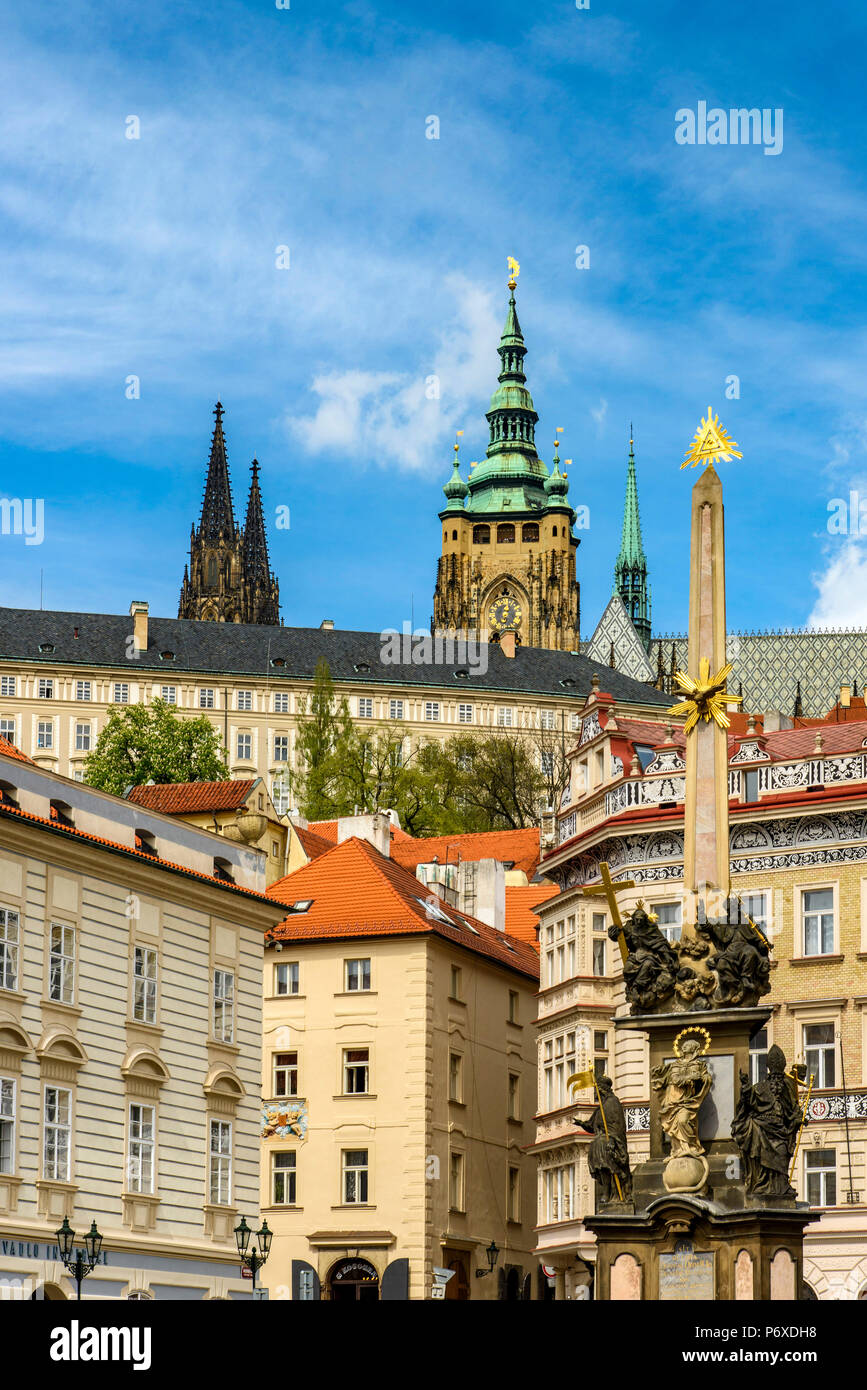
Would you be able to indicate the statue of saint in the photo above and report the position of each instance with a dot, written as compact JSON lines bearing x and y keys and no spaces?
{"x":651,"y":966}
{"x":608,"y":1156}
{"x":684,"y":1083}
{"x":765,"y":1128}
{"x":742,"y":962}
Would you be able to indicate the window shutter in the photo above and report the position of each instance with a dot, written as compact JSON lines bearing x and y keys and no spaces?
{"x":305,"y":1281}
{"x":395,"y":1282}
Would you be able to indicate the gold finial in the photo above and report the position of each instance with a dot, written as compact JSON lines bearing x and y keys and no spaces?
{"x":514,"y":272}
{"x":458,"y":434}
{"x":711,"y":442}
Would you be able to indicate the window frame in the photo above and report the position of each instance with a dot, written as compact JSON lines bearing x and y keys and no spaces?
{"x":220,"y":1162}
{"x":287,"y":965}
{"x":8,"y":1124}
{"x":360,"y":1172}
{"x":361,"y":961}
{"x":289,"y":1173}
{"x":291,"y":1071}
{"x":223,"y":1006}
{"x":56,"y":1128}
{"x":10,"y":949}
{"x":139,"y":1147}
{"x":142,"y":982}
{"x":803,"y":891}
{"x":63,"y":961}
{"x":355,"y":1070}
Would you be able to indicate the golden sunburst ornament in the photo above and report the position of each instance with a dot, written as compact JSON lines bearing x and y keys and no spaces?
{"x":514,"y":271}
{"x":685,"y":1032}
{"x":711,"y":442}
{"x":706,"y":698}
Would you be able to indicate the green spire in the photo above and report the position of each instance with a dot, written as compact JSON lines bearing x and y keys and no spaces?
{"x":512,"y":476}
{"x":455,"y":489}
{"x":630,"y":569}
{"x":556,"y":484}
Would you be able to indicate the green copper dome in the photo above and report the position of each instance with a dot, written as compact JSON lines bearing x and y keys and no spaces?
{"x":455,"y":489}
{"x":556,"y":486}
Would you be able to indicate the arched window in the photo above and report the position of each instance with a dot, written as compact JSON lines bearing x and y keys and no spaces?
{"x":555,"y":530}
{"x":481,"y":535}
{"x":505,"y":534}
{"x":212,"y":572}
{"x":454,"y":535}
{"x":530,"y":531}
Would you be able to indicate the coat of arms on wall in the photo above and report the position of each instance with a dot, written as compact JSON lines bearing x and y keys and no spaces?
{"x":284,"y":1119}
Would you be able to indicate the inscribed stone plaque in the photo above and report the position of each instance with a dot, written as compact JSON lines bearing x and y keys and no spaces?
{"x":626,"y":1278}
{"x":686,"y":1274}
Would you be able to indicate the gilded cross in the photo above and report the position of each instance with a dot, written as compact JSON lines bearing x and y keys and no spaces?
{"x":609,"y":890}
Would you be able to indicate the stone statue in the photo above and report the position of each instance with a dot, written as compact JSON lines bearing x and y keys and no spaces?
{"x":608,"y":1156}
{"x":742,"y":962}
{"x":694,"y":991}
{"x":650,"y":968}
{"x":765,"y":1128}
{"x":683,"y":1084}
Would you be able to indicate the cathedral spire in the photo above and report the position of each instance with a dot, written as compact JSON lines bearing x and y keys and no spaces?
{"x":218,"y":516}
{"x":255,"y":549}
{"x":630,"y":568}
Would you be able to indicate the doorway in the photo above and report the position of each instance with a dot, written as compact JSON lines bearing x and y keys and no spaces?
{"x":353,"y":1281}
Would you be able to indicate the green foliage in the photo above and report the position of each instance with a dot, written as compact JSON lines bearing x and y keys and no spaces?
{"x":143,"y":744}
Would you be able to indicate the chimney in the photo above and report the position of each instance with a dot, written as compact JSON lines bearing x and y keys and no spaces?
{"x":774,"y":720}
{"x":845,"y":696}
{"x":326,"y":625}
{"x":376,"y":829}
{"x":488,"y":894}
{"x":507,"y":644}
{"x":138,"y":611}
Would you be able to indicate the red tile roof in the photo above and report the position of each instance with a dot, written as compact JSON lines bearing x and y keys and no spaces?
{"x":521,"y":920}
{"x":313,"y":845}
{"x":356,"y":892}
{"x":183,"y":798}
{"x":10,"y":751}
{"x":327,"y":830}
{"x":517,"y":847}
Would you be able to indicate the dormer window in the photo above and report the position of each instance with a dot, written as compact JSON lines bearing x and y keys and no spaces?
{"x":47,"y":648}
{"x":223,"y":871}
{"x":278,"y":661}
{"x":361,"y":666}
{"x":61,"y":813}
{"x":167,"y":656}
{"x":146,"y":843}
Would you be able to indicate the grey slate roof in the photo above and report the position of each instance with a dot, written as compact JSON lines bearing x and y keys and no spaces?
{"x":246,"y":649}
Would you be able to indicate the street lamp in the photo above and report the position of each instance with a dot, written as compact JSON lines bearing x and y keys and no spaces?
{"x":253,"y":1259}
{"x":79,"y":1262}
{"x":493,"y":1254}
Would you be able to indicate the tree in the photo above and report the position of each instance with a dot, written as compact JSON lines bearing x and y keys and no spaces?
{"x":324,"y":731}
{"x":154,"y":744}
{"x":493,"y":781}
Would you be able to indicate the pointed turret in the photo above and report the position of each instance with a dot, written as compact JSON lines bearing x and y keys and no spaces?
{"x":260,"y":587}
{"x":218,"y":515}
{"x":630,"y":569}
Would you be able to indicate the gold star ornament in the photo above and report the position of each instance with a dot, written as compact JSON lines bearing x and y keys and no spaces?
{"x":706,"y":698}
{"x":711,"y":442}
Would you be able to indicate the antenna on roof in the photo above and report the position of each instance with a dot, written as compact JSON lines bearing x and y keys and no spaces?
{"x":40,"y":588}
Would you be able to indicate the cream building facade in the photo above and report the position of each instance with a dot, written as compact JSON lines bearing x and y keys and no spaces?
{"x":130,"y":1042}
{"x":399,"y":1075}
{"x":798,"y":818}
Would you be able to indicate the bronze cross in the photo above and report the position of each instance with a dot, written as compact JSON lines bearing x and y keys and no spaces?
{"x":609,"y":890}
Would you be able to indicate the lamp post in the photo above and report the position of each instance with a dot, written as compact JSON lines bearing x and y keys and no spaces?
{"x":493,"y":1254}
{"x":79,"y":1262}
{"x":253,"y":1259}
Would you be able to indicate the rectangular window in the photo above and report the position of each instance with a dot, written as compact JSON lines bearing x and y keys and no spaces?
{"x":669,"y":919}
{"x":759,"y":1056}
{"x":559,"y":1193}
{"x":281,"y":748}
{"x":819,"y":1054}
{"x":61,"y":964}
{"x":365,"y":707}
{"x":244,"y":699}
{"x":395,"y":709}
{"x":456,"y":1181}
{"x":45,"y":734}
{"x":431,"y":709}
{"x":7,"y":1125}
{"x":514,"y":1091}
{"x":9,"y":928}
{"x":755,"y":906}
{"x":355,"y":1176}
{"x":121,"y":692}
{"x":504,"y":716}
{"x":600,"y":1052}
{"x":56,"y":1135}
{"x":751,"y":784}
{"x":283,"y":1169}
{"x":7,"y":685}
{"x":513,"y":1006}
{"x":224,"y":1006}
{"x":455,"y":985}
{"x":286,"y":977}
{"x":7,"y":729}
{"x":140,"y":1157}
{"x":206,"y":699}
{"x":820,"y":1177}
{"x":356,"y":1071}
{"x":465,"y":714}
{"x":220,"y":1162}
{"x":513,"y":1194}
{"x":599,"y":954}
{"x":546,"y":719}
{"x":245,"y":747}
{"x":169,"y":693}
{"x":357,"y":975}
{"x":46,"y":688}
{"x":456,"y":1077}
{"x":82,"y":738}
{"x":144,"y":984}
{"x":82,"y":690}
{"x":818,"y":912}
{"x":280,"y":795}
{"x":546,"y":763}
{"x":285,"y":1073}
{"x":281,"y":702}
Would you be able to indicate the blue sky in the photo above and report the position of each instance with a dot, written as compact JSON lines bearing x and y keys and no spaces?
{"x":305,"y":127}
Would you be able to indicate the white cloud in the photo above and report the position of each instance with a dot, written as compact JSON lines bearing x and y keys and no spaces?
{"x":599,"y":413}
{"x":842,"y":600}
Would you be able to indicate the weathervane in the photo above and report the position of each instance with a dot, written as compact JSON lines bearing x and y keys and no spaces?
{"x":514,"y":271}
{"x":711,"y":442}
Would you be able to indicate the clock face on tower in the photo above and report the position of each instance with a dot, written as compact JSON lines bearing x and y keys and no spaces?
{"x":504,"y":613}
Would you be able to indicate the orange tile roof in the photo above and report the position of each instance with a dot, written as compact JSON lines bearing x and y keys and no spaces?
{"x":327,"y":830}
{"x":356,"y":892}
{"x":312,"y":844}
{"x":517,"y":847}
{"x":521,"y":920}
{"x":10,"y":751}
{"x":183,"y":798}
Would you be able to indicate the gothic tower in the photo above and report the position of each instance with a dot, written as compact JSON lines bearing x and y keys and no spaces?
{"x":228,"y":579}
{"x":630,"y":569}
{"x":508,"y":552}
